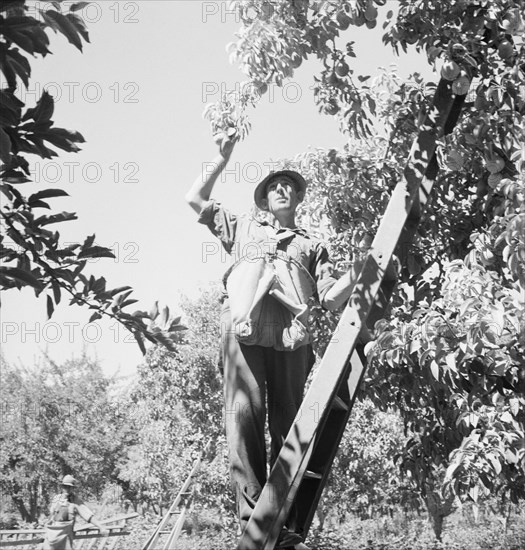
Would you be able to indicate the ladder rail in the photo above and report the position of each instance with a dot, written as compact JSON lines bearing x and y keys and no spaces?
{"x":409,"y":195}
{"x":310,"y":492}
{"x":175,"y":531}
{"x":39,"y":540}
{"x":88,"y":531}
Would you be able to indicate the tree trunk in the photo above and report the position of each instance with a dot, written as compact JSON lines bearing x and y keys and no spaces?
{"x":19,"y":503}
{"x":438,"y":510}
{"x":33,"y":502}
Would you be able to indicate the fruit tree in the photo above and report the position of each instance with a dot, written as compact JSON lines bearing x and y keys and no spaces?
{"x":31,"y":251}
{"x":450,"y":354}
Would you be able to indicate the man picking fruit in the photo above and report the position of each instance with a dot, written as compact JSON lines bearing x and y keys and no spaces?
{"x":266,"y":350}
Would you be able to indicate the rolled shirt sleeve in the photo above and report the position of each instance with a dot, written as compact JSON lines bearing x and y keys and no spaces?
{"x":221,"y":222}
{"x":82,"y":510}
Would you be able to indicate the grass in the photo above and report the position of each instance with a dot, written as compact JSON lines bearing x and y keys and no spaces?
{"x":204,"y":530}
{"x":400,"y":532}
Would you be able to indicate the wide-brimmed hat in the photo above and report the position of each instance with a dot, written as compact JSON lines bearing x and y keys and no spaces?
{"x":69,"y":480}
{"x":260,"y":191}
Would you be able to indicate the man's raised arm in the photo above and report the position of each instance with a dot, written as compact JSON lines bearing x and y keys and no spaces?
{"x":202,"y":187}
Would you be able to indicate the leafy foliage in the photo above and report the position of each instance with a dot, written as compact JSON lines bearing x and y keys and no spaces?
{"x":56,"y":420}
{"x":449,"y":354}
{"x":178,"y":400}
{"x":31,"y":252}
{"x":365,"y":480}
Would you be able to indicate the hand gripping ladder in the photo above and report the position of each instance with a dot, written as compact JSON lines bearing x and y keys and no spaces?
{"x":302,"y":467}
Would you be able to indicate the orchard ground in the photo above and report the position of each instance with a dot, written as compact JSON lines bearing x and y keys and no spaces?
{"x":489,"y":529}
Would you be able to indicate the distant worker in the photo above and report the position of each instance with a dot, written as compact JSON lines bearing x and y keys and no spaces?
{"x":65,"y":507}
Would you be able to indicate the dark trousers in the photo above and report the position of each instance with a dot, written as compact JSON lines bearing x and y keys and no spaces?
{"x":256,"y":380}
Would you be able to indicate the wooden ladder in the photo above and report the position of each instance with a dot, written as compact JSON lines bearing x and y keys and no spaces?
{"x":86,"y":536}
{"x":302,"y":467}
{"x":171,"y":524}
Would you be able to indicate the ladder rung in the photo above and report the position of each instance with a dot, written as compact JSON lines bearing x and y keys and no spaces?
{"x":312,"y":475}
{"x":339,"y":404}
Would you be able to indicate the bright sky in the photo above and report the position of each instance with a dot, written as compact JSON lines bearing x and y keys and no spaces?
{"x":137,"y":94}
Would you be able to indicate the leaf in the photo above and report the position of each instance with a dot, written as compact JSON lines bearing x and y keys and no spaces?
{"x":127,"y":303}
{"x":119,"y":299}
{"x":7,"y":191}
{"x":514,"y":406}
{"x":5,"y":146}
{"x":16,"y":179}
{"x":47,"y":194}
{"x":18,"y":64}
{"x":97,"y":285}
{"x":140,"y":342}
{"x":372,"y":105}
{"x":19,"y":38}
{"x":56,"y":292}
{"x":62,"y":138}
{"x":40,"y":204}
{"x":415,"y":345}
{"x":79,"y":6}
{"x":8,"y":118}
{"x":88,"y":242}
{"x":56,"y":218}
{"x":154,"y":311}
{"x":510,"y":456}
{"x":176,"y":325}
{"x":43,"y":110}
{"x":50,"y":307}
{"x":39,"y":148}
{"x":434,"y":367}
{"x":140,"y":314}
{"x":63,"y":24}
{"x":164,"y":316}
{"x":496,"y":464}
{"x":21,"y":275}
{"x":10,"y":101}
{"x":118,"y":290}
{"x":79,"y":25}
{"x":96,"y":252}
{"x":451,"y":361}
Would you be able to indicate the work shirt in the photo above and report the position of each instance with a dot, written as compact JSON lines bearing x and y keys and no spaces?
{"x":59,"y":531}
{"x":247,"y":239}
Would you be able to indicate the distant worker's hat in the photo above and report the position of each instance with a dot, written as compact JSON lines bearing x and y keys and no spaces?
{"x":260,"y":191}
{"x":69,"y":480}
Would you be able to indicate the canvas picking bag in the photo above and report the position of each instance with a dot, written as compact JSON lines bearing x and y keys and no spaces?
{"x":268,"y":296}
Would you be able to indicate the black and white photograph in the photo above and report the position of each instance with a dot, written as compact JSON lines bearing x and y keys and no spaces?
{"x":263,"y":274}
